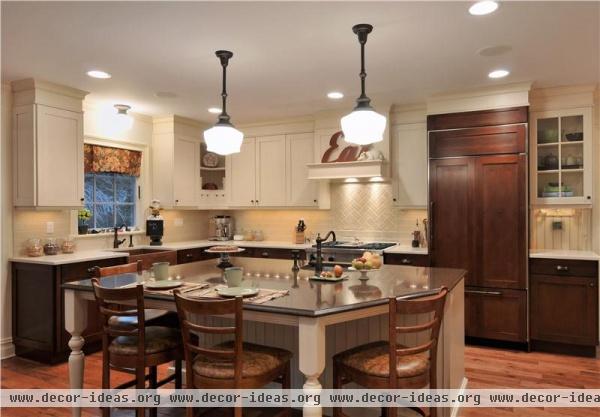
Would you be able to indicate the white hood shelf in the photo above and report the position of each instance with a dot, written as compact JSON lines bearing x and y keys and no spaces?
{"x":342,"y":170}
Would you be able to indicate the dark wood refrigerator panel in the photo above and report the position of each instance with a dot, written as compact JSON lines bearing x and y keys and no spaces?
{"x":501,"y":221}
{"x":451,"y":214}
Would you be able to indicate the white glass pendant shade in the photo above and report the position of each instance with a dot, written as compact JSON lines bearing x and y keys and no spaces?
{"x":363,"y":127}
{"x":223,"y":139}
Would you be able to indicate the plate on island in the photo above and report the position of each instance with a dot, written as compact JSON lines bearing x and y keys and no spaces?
{"x":325,"y":279}
{"x":237,"y":292}
{"x":163,"y":284}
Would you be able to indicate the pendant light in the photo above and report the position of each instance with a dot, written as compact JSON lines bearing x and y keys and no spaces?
{"x":223,"y":138}
{"x":364,"y":125}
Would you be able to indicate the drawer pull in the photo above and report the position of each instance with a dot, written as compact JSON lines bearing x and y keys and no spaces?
{"x":189,"y":255}
{"x":496,"y":293}
{"x":562,"y":268}
{"x":265,"y":254}
{"x":406,"y":261}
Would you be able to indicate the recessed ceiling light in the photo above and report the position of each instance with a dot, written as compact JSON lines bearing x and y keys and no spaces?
{"x":98,"y":74}
{"x":165,"y":94}
{"x":500,"y":73}
{"x":214,"y":110}
{"x":483,"y":7}
{"x":495,"y":50}
{"x":335,"y":95}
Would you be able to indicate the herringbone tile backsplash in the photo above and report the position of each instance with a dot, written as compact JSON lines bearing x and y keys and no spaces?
{"x":357,"y":210}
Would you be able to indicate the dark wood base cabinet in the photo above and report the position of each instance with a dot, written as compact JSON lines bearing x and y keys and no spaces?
{"x":494,"y":313}
{"x":405,"y":259}
{"x":38,"y":310}
{"x":564,"y":306}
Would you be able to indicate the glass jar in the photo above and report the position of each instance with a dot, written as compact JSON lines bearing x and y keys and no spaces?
{"x":51,"y":247}
{"x":68,"y":245}
{"x":34,"y":247}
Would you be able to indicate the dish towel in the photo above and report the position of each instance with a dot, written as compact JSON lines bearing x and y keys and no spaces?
{"x":264,"y":294}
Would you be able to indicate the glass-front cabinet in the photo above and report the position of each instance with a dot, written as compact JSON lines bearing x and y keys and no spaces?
{"x":561,"y":157}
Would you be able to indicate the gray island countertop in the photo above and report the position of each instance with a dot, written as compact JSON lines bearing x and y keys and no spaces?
{"x":306,"y":297}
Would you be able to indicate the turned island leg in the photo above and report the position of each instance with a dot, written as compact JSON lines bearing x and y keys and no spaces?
{"x":75,"y":322}
{"x":311,"y":357}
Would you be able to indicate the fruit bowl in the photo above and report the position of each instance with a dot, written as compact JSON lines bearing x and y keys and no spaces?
{"x":364,"y":273}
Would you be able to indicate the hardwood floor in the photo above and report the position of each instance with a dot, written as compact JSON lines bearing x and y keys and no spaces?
{"x":484,"y":367}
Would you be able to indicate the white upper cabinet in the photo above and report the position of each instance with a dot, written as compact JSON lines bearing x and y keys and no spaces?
{"x":176,"y":162}
{"x":47,"y":145}
{"x":186,"y":169}
{"x":270,"y":171}
{"x":300,"y":151}
{"x":241,"y":175}
{"x":561,"y":157}
{"x":409,"y":165}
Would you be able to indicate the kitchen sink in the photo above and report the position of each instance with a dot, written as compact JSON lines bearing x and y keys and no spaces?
{"x":141,"y":251}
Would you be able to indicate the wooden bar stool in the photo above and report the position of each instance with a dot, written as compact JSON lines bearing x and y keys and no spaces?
{"x":231,"y":364}
{"x":152,"y":316}
{"x":369,"y":365}
{"x":134,"y":347}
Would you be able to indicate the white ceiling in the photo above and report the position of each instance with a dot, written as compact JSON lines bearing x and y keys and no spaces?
{"x":287,"y":56}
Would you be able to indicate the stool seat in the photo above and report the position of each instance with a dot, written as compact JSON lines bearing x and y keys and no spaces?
{"x":257,"y":360}
{"x":158,"y":339}
{"x":373,"y":359}
{"x":130,"y":322}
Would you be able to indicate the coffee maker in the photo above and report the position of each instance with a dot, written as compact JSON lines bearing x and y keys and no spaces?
{"x":221,"y":228}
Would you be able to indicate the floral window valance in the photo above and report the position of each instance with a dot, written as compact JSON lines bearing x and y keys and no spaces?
{"x":107,"y":159}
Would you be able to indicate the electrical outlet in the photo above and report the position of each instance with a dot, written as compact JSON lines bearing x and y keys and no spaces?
{"x":49,"y":227}
{"x":178,"y":221}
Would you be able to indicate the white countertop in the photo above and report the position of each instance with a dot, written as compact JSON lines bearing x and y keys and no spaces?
{"x":581,"y":255}
{"x":276,"y":244}
{"x":406,"y":250}
{"x":69,"y":258}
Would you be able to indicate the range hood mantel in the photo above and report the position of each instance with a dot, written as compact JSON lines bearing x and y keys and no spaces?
{"x":342,"y":170}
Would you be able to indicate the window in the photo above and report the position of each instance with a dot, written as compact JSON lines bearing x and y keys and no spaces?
{"x":111,"y":199}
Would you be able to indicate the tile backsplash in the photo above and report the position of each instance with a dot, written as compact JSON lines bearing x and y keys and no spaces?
{"x":362,"y":210}
{"x":567,"y":228}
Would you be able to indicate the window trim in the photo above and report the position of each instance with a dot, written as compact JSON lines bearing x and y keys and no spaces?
{"x":143,"y":182}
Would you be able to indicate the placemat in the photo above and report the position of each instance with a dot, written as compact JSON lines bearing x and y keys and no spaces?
{"x":264,"y":294}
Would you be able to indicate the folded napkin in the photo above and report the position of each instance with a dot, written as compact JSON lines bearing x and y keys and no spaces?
{"x":264,"y":294}
{"x":187,"y":287}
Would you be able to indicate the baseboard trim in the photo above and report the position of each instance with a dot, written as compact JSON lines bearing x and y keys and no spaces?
{"x":455,"y":412}
{"x":7,"y":349}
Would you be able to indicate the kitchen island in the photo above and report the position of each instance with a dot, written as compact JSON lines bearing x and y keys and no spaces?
{"x":314,"y":321}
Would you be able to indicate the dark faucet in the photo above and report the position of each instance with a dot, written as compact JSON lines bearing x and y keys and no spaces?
{"x":116,"y":241}
{"x":319,"y":260}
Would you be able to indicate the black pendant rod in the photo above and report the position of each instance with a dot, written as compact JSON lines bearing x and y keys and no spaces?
{"x":362,"y":30}
{"x":224,"y":56}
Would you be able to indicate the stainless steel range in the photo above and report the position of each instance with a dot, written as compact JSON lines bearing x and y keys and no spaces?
{"x":345,"y":251}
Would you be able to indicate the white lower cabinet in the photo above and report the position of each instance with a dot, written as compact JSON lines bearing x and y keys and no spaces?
{"x":270,"y":171}
{"x":409,"y":165}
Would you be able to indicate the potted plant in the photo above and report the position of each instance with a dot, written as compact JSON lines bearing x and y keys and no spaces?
{"x":83,"y":216}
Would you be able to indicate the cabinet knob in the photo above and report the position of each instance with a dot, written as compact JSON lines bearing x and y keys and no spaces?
{"x":252,"y":201}
{"x":265,"y":254}
{"x":81,"y":199}
{"x":189,"y":256}
{"x":256,"y":201}
{"x":394,"y":200}
{"x":592,"y":284}
{"x":562,"y":268}
{"x":406,"y":261}
{"x":315,"y":200}
{"x":177,"y":201}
